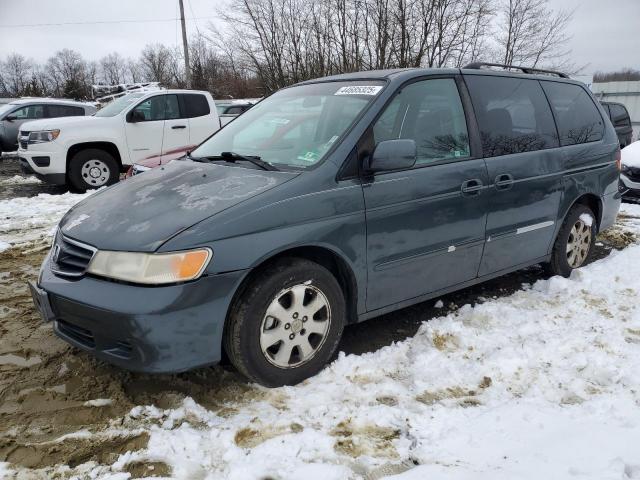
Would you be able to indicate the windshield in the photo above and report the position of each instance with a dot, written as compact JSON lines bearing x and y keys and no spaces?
{"x":115,"y":107}
{"x":5,"y":108}
{"x":296,"y":126}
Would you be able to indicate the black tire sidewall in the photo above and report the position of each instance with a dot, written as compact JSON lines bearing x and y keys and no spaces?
{"x":80,"y":158}
{"x":560,"y":263}
{"x":248,"y":315}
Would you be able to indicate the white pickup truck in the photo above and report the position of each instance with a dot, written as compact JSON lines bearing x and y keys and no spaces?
{"x":90,"y":152}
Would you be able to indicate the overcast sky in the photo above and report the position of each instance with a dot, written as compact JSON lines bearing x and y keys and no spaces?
{"x":605,"y":33}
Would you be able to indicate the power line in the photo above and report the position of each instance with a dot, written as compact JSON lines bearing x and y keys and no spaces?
{"x":100,"y":22}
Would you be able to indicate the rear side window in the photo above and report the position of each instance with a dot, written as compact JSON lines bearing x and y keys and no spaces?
{"x":619,"y":116}
{"x":513,"y":115}
{"x":194,"y":105}
{"x":64,"y":111}
{"x":578,"y":118}
{"x":429,"y":112}
{"x":234,"y":110}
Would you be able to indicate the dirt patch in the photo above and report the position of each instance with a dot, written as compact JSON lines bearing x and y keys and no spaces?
{"x":72,"y":451}
{"x":250,"y":437}
{"x":371,"y":440}
{"x":466,"y":396}
{"x":445,"y":341}
{"x":147,"y":469}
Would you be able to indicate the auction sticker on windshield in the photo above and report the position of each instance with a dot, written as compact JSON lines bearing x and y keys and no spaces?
{"x":359,"y":90}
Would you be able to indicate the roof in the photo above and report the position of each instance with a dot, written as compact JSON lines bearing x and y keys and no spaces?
{"x":27,"y":100}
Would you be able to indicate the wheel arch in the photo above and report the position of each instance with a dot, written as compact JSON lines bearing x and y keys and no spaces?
{"x":108,"y":147}
{"x":593,"y":202}
{"x":322,"y":255}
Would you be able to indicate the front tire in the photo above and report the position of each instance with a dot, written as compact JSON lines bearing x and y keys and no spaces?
{"x":92,"y":168}
{"x":286,"y":324}
{"x":574,"y":242}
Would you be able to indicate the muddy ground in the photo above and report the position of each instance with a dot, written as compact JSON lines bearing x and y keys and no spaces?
{"x":49,"y":389}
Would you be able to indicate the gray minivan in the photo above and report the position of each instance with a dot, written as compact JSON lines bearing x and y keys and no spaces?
{"x":331,"y":202}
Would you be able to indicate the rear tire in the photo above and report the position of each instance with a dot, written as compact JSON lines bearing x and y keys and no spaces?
{"x":574,"y":243}
{"x":92,"y":168}
{"x":286,"y":324}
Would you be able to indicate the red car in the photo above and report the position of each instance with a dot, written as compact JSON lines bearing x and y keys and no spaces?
{"x":157,"y":160}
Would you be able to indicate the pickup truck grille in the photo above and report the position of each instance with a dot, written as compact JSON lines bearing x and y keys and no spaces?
{"x":70,"y":258}
{"x":23,"y":139}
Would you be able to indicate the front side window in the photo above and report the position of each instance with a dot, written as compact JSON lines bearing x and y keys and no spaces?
{"x":429,"y":112}
{"x":579,"y":120}
{"x":30,"y":112}
{"x":513,"y":115}
{"x":296,"y":126}
{"x":160,"y":107}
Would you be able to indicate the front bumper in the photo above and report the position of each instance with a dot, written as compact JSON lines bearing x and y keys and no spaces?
{"x":148,"y":329}
{"x":46,"y":160}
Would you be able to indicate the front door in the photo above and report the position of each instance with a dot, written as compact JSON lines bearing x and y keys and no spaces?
{"x":425,"y":225}
{"x":144,"y":137}
{"x":22,"y":115}
{"x":524,"y":164}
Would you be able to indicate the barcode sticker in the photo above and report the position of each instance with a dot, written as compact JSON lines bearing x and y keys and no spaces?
{"x":359,"y":90}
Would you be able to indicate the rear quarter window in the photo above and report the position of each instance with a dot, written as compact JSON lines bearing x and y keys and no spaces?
{"x":577,"y":116}
{"x":513,"y":115}
{"x":619,"y":116}
{"x":54,"y":111}
{"x":194,"y":105}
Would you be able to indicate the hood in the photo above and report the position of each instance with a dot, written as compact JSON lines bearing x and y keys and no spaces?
{"x":60,"y":122}
{"x":631,"y":155}
{"x":143,"y":212}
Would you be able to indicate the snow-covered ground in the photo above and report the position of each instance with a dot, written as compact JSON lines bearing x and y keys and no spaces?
{"x":29,"y":220}
{"x":541,"y":384}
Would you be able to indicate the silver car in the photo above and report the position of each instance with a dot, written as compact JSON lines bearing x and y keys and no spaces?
{"x":15,"y":113}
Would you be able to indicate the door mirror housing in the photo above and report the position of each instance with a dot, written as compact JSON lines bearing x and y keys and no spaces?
{"x":390,"y":155}
{"x":10,"y":118}
{"x":135,"y":116}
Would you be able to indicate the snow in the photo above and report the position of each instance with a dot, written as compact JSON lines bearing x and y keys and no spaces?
{"x":98,"y":402}
{"x":631,"y":155}
{"x":26,"y":220}
{"x":540,"y":384}
{"x":439,"y":304}
{"x":586,"y":219}
{"x":20,"y":180}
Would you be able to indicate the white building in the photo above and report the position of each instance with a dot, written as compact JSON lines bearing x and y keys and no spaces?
{"x":627,"y":93}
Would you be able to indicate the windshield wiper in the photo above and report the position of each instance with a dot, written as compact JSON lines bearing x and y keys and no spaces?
{"x":233,"y":157}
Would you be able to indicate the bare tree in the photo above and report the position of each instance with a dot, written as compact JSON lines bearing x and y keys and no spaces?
{"x":113,"y":69}
{"x":533,"y":34}
{"x":15,"y":73}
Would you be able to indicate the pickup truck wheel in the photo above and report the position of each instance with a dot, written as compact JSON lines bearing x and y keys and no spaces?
{"x":574,"y":242}
{"x":93,"y":168}
{"x":287,"y":323}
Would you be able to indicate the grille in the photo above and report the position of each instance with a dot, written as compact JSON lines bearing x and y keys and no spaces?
{"x":70,"y":258}
{"x":23,"y":138}
{"x":79,"y":334}
{"x":634,"y":174}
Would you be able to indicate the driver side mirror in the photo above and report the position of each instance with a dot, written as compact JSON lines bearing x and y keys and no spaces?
{"x":390,"y":155}
{"x":10,"y":118}
{"x":135,"y":116}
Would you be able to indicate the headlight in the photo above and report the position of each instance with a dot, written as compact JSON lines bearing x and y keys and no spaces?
{"x":43,"y":136}
{"x":625,"y":168}
{"x":150,"y":268}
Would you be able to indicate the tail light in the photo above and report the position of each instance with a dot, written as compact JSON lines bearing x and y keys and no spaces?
{"x":618,"y":159}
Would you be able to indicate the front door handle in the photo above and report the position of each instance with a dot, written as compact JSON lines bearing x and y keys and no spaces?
{"x":472,"y":187}
{"x":176,"y":127}
{"x":503,"y":181}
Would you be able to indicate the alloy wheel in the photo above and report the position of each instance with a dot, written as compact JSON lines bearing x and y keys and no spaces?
{"x":295,"y":326}
{"x":578,"y":244}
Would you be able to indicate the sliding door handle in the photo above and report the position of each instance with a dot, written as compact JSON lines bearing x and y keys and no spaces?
{"x":503,"y":181}
{"x":472,"y":187}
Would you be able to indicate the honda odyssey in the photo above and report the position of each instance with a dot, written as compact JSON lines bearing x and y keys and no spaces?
{"x":331,"y":202}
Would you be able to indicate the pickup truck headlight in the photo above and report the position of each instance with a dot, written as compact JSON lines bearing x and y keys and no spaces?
{"x":43,"y":136}
{"x":150,"y":268}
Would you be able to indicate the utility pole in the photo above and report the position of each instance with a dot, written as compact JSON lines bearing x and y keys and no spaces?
{"x":187,"y":70}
